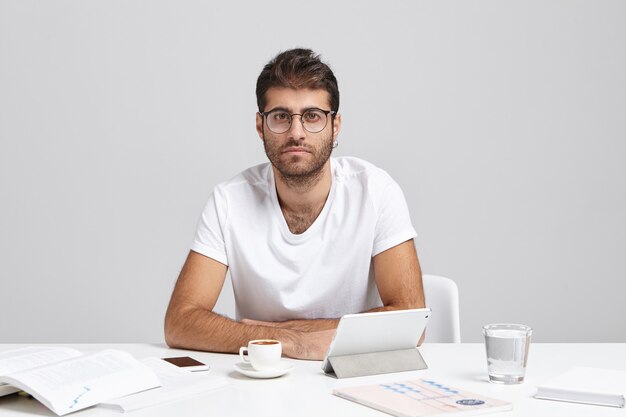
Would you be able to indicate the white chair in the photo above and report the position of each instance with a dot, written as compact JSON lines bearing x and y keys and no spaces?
{"x":442,"y":296}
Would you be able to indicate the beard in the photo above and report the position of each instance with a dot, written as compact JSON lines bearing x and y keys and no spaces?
{"x":300,"y":171}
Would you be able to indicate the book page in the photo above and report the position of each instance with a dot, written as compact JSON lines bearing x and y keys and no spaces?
{"x":77,"y":383}
{"x":30,"y":357}
{"x":16,"y":360}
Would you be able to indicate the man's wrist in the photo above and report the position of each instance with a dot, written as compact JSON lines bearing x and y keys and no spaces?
{"x":291,"y":341}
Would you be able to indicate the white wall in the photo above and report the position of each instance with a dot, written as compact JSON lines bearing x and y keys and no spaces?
{"x":504,"y":122}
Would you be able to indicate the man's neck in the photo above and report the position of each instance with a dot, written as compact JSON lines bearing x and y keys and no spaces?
{"x":303,"y":194}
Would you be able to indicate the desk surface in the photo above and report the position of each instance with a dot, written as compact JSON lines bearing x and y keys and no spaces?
{"x":306,"y":391}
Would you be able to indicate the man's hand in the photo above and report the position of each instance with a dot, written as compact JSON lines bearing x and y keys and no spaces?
{"x":308,"y":345}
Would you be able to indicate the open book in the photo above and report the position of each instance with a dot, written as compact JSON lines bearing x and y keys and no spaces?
{"x":65,"y":380}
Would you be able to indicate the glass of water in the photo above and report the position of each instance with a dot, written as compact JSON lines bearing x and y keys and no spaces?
{"x":507,"y":352}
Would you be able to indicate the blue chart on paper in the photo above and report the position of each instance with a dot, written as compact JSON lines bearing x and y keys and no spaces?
{"x":427,"y":388}
{"x":424,"y":390}
{"x":78,"y":397}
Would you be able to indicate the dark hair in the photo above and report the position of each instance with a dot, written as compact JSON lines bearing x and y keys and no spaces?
{"x":297,"y":68}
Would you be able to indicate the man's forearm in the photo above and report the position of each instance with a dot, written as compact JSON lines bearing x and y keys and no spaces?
{"x":389,"y":308}
{"x":327,"y":324}
{"x":303,"y":325}
{"x":200,"y":329}
{"x":314,"y":325}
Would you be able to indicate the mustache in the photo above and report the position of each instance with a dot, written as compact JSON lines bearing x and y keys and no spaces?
{"x":296,"y":144}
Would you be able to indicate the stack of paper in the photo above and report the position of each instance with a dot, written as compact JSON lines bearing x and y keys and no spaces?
{"x":586,"y":385}
{"x":176,"y":384}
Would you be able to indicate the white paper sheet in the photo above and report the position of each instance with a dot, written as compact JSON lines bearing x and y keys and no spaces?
{"x":176,"y":385}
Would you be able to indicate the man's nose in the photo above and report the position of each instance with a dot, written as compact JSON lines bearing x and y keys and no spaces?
{"x":296,"y":130}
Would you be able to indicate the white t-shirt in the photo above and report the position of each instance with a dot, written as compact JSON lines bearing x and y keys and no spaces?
{"x":326,"y":271}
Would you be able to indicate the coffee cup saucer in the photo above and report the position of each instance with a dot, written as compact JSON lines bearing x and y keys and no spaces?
{"x":247,"y":370}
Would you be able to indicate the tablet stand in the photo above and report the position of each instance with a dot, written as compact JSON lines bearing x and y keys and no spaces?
{"x":348,"y":366}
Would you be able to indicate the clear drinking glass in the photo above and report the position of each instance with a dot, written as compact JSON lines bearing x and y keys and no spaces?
{"x":507,"y":352}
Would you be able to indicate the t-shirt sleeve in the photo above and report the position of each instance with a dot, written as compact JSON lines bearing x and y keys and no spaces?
{"x":394,"y":222}
{"x":209,"y":238}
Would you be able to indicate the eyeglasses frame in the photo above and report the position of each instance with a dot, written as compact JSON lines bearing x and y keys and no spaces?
{"x":326,"y":113}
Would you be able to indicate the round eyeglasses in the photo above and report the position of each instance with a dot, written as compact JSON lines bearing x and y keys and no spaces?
{"x":313,"y":120}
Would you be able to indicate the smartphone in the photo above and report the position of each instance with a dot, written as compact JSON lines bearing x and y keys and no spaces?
{"x":187,"y":363}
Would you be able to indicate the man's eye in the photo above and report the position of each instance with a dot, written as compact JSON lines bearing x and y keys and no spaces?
{"x":311,"y":116}
{"x":281,"y":116}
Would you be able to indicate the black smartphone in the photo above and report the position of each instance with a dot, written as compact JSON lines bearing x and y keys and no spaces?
{"x":187,"y":363}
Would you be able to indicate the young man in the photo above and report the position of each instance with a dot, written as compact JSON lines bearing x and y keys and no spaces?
{"x":308,"y":238}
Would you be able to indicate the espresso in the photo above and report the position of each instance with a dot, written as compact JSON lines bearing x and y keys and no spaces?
{"x":266,"y":342}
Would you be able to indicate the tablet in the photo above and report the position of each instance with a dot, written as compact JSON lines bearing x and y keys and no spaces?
{"x":377,"y":332}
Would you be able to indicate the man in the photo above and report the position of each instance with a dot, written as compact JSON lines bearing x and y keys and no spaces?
{"x":308,"y":238}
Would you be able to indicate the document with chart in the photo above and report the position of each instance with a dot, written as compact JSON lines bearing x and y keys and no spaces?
{"x":421,"y":397}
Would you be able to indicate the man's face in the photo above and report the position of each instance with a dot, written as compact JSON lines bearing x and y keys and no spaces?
{"x":298,"y":153}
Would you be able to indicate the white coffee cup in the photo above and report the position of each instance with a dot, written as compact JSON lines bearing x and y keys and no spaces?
{"x":263,"y":355}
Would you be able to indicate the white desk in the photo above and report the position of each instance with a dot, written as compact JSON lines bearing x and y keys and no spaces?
{"x":306,"y":391}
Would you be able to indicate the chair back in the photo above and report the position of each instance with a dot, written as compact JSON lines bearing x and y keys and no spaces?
{"x":442,"y":296}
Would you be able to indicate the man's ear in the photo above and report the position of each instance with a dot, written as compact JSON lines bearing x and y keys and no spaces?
{"x":259,"y":125}
{"x":336,"y":126}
